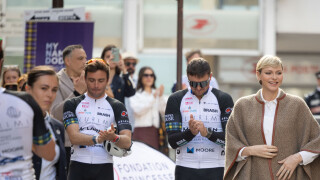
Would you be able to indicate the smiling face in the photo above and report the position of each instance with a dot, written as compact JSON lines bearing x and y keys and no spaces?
{"x":44,"y":91}
{"x":271,"y":78}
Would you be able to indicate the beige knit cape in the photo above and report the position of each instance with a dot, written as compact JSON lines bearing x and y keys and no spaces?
{"x":294,"y":130}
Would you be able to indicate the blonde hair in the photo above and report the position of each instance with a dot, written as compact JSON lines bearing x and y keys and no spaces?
{"x":268,"y":61}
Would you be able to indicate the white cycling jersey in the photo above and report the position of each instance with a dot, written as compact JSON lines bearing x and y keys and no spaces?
{"x":94,"y":115}
{"x":21,"y":124}
{"x":213,"y":110}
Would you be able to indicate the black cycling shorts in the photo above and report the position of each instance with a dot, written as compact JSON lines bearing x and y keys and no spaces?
{"x":84,"y":171}
{"x":184,"y":173}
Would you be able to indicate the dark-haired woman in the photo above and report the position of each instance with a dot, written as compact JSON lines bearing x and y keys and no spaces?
{"x":42,"y":85}
{"x":120,"y":84}
{"x":146,"y":104}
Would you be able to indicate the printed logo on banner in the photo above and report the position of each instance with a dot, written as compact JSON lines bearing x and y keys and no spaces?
{"x":124,"y":114}
{"x":53,"y":54}
{"x":190,"y":150}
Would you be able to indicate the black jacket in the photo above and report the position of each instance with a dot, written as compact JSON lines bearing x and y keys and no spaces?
{"x":313,"y":102}
{"x":122,"y":87}
{"x":61,"y":165}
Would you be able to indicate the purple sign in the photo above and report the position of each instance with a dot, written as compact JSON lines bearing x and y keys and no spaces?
{"x":45,"y":41}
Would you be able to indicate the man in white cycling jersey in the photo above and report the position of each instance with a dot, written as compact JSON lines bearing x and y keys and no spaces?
{"x":87,"y":118}
{"x":195,"y":122}
{"x":22,"y":129}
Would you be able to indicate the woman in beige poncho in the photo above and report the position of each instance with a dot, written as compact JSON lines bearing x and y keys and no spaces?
{"x":271,"y":134}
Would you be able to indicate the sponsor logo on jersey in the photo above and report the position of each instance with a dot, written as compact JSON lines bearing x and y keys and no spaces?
{"x":223,"y":153}
{"x":190,"y":150}
{"x":124,"y":114}
{"x":182,"y":141}
{"x":188,"y":98}
{"x":169,"y":117}
{"x":103,"y":114}
{"x":205,"y":150}
{"x":13,"y":149}
{"x":85,"y":106}
{"x":68,"y":114}
{"x":178,"y":151}
{"x":210,"y":110}
{"x":89,"y":129}
{"x":228,"y":110}
{"x":13,"y":112}
{"x":123,"y":121}
{"x":11,"y":160}
{"x":188,"y":103}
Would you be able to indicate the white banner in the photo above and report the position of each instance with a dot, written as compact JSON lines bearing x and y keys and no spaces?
{"x":144,"y":163}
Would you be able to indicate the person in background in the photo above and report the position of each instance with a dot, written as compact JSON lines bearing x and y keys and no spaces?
{"x":147,"y":105}
{"x":71,"y":84}
{"x":196,"y":53}
{"x":10,"y":76}
{"x":42,"y":85}
{"x":313,"y":99}
{"x":120,"y":84}
{"x":130,"y":62}
{"x":272,"y":134}
{"x":22,"y":81}
{"x":24,"y":131}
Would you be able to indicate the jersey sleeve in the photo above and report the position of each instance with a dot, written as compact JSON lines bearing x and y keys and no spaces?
{"x":69,"y":113}
{"x":173,"y":119}
{"x":41,"y":134}
{"x":120,"y":115}
{"x":226,"y":105}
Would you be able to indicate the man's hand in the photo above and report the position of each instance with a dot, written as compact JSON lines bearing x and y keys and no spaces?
{"x":109,"y":135}
{"x":289,"y":164}
{"x":201,"y":128}
{"x":79,"y":84}
{"x":193,"y":125}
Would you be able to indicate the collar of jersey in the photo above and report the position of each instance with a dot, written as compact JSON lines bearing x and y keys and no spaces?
{"x":90,"y":98}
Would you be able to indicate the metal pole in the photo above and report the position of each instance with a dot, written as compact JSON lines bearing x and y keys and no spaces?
{"x":179,"y":44}
{"x":57,"y":3}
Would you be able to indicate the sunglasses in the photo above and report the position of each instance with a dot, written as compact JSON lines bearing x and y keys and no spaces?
{"x":148,"y":75}
{"x":129,"y":63}
{"x":202,"y":84}
{"x":94,"y":60}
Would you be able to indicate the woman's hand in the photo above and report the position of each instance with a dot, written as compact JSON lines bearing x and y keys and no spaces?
{"x":265,"y":151}
{"x":289,"y":164}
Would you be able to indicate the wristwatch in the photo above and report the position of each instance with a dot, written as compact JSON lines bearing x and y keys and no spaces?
{"x":209,"y":133}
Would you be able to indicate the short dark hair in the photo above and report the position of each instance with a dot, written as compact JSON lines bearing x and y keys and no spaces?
{"x":39,"y":71}
{"x":198,"y":67}
{"x":95,"y":66}
{"x":68,"y":50}
{"x":189,"y":54}
{"x":141,"y":72}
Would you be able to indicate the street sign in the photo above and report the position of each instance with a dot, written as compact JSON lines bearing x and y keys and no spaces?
{"x":56,"y":14}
